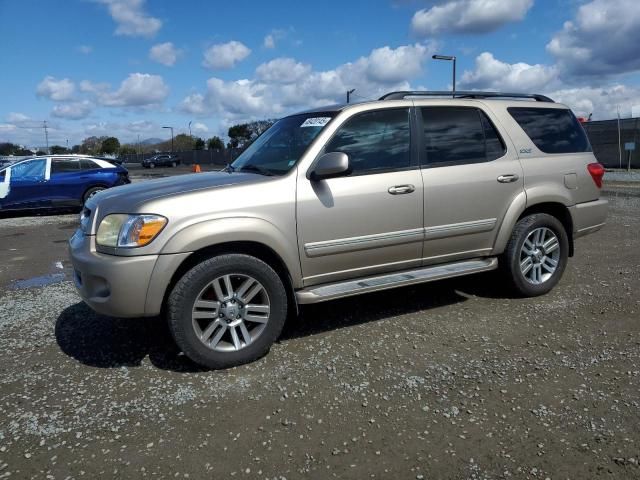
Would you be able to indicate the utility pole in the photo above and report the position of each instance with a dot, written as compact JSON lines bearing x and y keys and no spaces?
{"x":189,"y":127}
{"x":619,"y":138}
{"x":46,"y":135}
{"x":171,"y":128}
{"x":349,"y":92}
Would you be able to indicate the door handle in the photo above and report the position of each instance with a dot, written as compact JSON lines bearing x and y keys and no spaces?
{"x":401,"y":189}
{"x":511,"y":177}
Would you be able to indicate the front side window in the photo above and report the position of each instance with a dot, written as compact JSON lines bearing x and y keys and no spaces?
{"x":459,"y":135}
{"x":279,"y":148}
{"x":552,"y":130}
{"x":64,"y":165}
{"x":375,"y":141}
{"x":29,"y":170}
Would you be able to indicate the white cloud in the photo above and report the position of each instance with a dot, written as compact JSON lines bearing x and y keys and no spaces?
{"x":269,"y":41}
{"x":72,"y":110}
{"x":602,"y":39}
{"x":493,"y":74}
{"x":602,"y":101}
{"x":283,"y":84}
{"x":388,"y":65}
{"x":195,"y":104}
{"x":137,"y":90}
{"x":200,"y":127}
{"x":54,"y":89}
{"x":131,"y":18}
{"x":224,"y":56}
{"x":282,"y":70}
{"x":468,"y":16}
{"x":17,"y":117}
{"x":165,"y":53}
{"x":84,"y":49}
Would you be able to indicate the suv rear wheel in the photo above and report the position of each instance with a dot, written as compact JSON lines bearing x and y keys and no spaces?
{"x":227,"y":310}
{"x":536,"y":254}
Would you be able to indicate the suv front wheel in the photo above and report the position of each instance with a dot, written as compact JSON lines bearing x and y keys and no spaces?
{"x":227,"y":310}
{"x":536,"y":254}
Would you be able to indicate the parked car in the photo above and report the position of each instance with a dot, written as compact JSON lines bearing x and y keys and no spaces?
{"x":163,"y":160}
{"x":56,"y":181}
{"x":342,"y":201}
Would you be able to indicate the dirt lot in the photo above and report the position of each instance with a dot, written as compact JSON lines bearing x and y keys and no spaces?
{"x":446,"y":380}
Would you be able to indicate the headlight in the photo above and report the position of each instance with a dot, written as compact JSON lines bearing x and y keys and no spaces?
{"x":120,"y":230}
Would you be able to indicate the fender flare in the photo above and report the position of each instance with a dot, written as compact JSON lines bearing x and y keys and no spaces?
{"x":210,"y":233}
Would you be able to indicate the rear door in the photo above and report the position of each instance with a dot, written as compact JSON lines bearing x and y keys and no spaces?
{"x":471,"y":175}
{"x":65,"y":182}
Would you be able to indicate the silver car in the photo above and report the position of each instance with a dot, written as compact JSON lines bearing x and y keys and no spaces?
{"x":340,"y":201}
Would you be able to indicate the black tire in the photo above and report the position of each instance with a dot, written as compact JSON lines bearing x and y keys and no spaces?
{"x":174,"y":164}
{"x":184,"y":294}
{"x":510,"y":260}
{"x":90,"y":193}
{"x":152,"y":165}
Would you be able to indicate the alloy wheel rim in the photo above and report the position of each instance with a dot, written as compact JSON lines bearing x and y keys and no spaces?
{"x":231,"y":312}
{"x":539,"y":256}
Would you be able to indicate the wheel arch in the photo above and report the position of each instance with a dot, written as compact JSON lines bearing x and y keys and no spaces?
{"x":518,"y":211}
{"x":251,"y":248}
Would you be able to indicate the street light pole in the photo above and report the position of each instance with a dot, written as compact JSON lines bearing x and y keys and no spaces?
{"x":171,"y":128}
{"x":449,"y":58}
{"x":189,"y":127}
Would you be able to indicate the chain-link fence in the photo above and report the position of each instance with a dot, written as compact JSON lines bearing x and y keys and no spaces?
{"x":201,"y":157}
{"x":608,"y":150}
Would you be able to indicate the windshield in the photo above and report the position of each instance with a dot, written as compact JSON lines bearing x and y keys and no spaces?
{"x":278,"y":149}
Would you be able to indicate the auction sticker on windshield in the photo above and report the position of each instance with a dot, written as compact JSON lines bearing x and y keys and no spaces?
{"x":315,"y":122}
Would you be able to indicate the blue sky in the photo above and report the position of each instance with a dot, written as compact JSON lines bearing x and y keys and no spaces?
{"x":128,"y":67}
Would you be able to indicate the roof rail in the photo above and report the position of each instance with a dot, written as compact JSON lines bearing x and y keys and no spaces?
{"x":463,"y":94}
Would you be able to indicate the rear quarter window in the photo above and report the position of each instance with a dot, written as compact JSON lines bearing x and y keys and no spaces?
{"x":552,"y":130}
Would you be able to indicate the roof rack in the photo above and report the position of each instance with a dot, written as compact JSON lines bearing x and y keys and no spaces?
{"x":463,"y":94}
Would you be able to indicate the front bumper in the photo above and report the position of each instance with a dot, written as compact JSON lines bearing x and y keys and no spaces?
{"x":111,"y":285}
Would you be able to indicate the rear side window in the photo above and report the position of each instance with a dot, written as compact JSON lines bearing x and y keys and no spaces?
{"x":88,"y":164}
{"x":375,"y":141}
{"x":459,"y":135}
{"x":552,"y":130}
{"x":64,"y":165}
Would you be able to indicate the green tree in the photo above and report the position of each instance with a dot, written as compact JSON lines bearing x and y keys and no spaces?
{"x":57,"y":150}
{"x":127,"y":150}
{"x":75,"y":149}
{"x":110,"y":145}
{"x":91,"y":145}
{"x":241,"y":135}
{"x":215,"y":143}
{"x":198,"y":144}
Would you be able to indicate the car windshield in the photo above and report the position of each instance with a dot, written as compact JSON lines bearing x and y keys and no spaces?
{"x":278,"y":149}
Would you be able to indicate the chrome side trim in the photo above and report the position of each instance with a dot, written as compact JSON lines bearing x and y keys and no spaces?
{"x":365,"y":242}
{"x":349,"y":288}
{"x":463,"y":228}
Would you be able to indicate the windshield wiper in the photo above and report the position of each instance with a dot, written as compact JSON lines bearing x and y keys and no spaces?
{"x":229,"y":168}
{"x":254,"y":169}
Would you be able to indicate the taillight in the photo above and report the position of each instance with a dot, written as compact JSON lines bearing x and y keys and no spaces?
{"x":597,"y":172}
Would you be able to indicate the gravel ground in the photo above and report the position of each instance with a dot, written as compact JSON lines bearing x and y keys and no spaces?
{"x":446,"y":380}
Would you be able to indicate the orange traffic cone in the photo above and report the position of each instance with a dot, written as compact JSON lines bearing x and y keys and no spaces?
{"x":196,"y":168}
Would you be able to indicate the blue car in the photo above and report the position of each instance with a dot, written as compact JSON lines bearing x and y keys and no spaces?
{"x":56,"y":181}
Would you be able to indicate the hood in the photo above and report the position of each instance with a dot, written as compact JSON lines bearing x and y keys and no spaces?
{"x":128,"y":197}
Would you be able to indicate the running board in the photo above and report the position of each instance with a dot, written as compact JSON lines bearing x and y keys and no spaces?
{"x":349,"y":288}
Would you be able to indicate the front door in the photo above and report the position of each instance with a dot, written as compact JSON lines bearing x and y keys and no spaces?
{"x":26,"y":185}
{"x":369,"y":221}
{"x":471,"y":175}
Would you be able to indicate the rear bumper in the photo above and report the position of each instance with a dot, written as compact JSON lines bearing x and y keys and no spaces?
{"x":588,"y":217}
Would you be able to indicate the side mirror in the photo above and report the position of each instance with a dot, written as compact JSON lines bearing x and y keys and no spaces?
{"x":330,"y":165}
